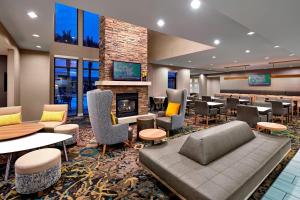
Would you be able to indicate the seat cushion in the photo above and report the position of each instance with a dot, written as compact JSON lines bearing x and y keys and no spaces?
{"x":214,"y":142}
{"x":49,"y":126}
{"x":67,"y":128}
{"x":37,"y":161}
{"x":164,"y":122}
{"x":233,"y":176}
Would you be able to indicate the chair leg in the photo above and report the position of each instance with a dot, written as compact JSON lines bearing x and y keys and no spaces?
{"x":104,"y":149}
{"x":281,"y":119}
{"x":206,"y":121}
{"x":195,"y":119}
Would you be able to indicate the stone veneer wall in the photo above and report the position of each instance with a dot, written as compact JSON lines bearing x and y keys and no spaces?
{"x":122,"y":41}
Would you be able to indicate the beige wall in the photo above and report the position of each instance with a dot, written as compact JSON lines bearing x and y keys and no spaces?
{"x":35,"y":83}
{"x":158,"y":75}
{"x":277,"y":84}
{"x":213,"y":85}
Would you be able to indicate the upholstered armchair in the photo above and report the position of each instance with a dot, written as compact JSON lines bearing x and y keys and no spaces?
{"x":248,"y":114}
{"x":202,"y":109}
{"x":99,"y":106}
{"x":50,"y":125}
{"x":176,"y":121}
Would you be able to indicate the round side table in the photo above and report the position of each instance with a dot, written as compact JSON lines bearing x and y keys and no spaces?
{"x":153,"y":135}
{"x":144,"y":123}
{"x":269,"y":127}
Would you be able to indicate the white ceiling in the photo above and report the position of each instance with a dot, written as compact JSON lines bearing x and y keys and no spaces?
{"x":276,"y":22}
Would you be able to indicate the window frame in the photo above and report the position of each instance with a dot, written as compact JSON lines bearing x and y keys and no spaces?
{"x":54,"y":67}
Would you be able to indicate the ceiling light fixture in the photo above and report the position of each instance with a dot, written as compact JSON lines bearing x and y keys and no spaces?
{"x":160,"y":23}
{"x":189,"y":61}
{"x":171,"y":64}
{"x":247,"y":51}
{"x":292,"y":54}
{"x":196,"y":4}
{"x":235,"y":61}
{"x":32,"y":14}
{"x":217,"y":42}
{"x":35,"y":35}
{"x":276,"y":46}
{"x":211,"y":64}
{"x":267,"y":58}
{"x":213,"y":57}
{"x":38,"y":46}
{"x":251,"y":33}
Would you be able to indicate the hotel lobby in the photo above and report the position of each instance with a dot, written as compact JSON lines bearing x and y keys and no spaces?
{"x":150,"y":99}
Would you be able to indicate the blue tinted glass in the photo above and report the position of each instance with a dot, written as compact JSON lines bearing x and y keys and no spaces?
{"x":91,"y":29}
{"x":73,"y":63}
{"x":60,"y":62}
{"x":172,"y":80}
{"x":90,"y":64}
{"x":65,"y":24}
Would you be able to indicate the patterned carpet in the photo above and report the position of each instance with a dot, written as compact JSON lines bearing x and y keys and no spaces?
{"x":118,"y":175}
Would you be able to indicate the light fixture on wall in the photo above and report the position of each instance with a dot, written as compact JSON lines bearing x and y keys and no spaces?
{"x":196,"y":4}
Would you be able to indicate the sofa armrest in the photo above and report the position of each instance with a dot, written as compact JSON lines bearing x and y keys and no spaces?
{"x":177,"y":121}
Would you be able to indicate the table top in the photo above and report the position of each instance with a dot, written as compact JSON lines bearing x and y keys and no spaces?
{"x":19,"y":130}
{"x":152,"y":134}
{"x":214,"y":103}
{"x":159,"y":97}
{"x":33,"y":141}
{"x":272,"y":126}
{"x":263,"y":109}
{"x":244,"y":100}
{"x":286,"y":104}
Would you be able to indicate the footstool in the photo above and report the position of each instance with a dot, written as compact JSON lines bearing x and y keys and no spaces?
{"x":71,"y":129}
{"x":37,"y":170}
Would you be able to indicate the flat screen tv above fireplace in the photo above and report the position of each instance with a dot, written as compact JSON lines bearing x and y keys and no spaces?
{"x":126,"y":71}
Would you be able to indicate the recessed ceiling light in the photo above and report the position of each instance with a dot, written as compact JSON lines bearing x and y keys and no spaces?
{"x":292,"y":54}
{"x":38,"y":46}
{"x":235,"y":61}
{"x":171,"y":64}
{"x":217,"y":42}
{"x":211,"y":64}
{"x":247,"y":51}
{"x":189,"y":61}
{"x":276,"y":46}
{"x":160,"y":23}
{"x":32,"y":14}
{"x":35,"y":35}
{"x":213,"y":57}
{"x":267,"y":58}
{"x":251,"y":33}
{"x":196,"y":4}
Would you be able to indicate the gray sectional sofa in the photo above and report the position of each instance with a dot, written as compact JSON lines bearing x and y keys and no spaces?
{"x":223,"y":162}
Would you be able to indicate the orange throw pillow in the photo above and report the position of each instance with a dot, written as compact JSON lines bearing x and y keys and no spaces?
{"x":172,"y":109}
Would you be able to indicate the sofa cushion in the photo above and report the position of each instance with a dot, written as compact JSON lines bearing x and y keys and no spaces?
{"x":215,"y":142}
{"x":56,"y":116}
{"x":10,"y":119}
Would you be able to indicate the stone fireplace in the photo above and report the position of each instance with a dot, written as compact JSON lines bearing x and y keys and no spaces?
{"x":121,"y":41}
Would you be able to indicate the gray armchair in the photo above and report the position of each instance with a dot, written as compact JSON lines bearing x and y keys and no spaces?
{"x":202,"y":109}
{"x":99,"y":106}
{"x":248,"y":114}
{"x":278,"y":110}
{"x":176,"y":121}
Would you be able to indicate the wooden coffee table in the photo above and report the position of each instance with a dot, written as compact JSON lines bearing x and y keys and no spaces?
{"x":269,"y":127}
{"x":152,"y":134}
{"x":19,"y":130}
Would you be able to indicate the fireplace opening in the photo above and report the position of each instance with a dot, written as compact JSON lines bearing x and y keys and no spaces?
{"x":126,"y":104}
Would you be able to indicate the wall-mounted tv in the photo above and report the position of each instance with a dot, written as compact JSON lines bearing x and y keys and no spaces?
{"x":259,"y":80}
{"x":126,"y":71}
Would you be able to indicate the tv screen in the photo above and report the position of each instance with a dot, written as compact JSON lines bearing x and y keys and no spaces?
{"x":259,"y":79}
{"x":126,"y":71}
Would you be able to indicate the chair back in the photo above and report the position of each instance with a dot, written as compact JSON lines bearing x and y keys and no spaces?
{"x":277,"y":107}
{"x":248,"y":114}
{"x":10,"y":110}
{"x":201,"y":108}
{"x":99,"y":106}
{"x":232,"y":103}
{"x":58,"y":107}
{"x":206,"y":98}
{"x":178,"y":96}
{"x":262,"y":104}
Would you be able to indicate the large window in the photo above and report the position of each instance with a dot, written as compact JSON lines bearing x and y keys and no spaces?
{"x":65,"y":73}
{"x":91,"y":29}
{"x":172,"y":80}
{"x":66,"y":30}
{"x":90,"y":76}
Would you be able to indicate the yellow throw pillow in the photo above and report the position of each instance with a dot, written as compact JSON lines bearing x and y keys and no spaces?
{"x":56,"y":116}
{"x":113,"y":119}
{"x":10,"y":119}
{"x":172,"y":109}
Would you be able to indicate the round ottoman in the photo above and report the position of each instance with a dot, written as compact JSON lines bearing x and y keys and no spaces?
{"x":144,"y":123}
{"x":71,"y":129}
{"x":37,"y":170}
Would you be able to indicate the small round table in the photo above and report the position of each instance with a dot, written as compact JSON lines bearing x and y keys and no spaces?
{"x":19,"y":130}
{"x":144,"y":123}
{"x":153,"y":135}
{"x":269,"y":127}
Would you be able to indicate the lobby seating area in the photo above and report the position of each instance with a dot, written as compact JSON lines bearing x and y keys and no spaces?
{"x":130,"y":100}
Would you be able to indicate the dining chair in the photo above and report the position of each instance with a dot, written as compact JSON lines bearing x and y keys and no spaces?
{"x":232,"y":104}
{"x":248,"y":114}
{"x":206,"y":98}
{"x":278,"y":111}
{"x":203,"y":110}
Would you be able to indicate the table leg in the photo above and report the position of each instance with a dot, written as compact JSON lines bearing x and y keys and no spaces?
{"x":7,"y":166}
{"x":65,"y":151}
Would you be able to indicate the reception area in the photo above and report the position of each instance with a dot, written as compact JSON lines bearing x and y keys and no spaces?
{"x":172,"y":99}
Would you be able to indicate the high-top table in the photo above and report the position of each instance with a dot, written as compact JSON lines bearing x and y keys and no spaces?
{"x":28,"y":142}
